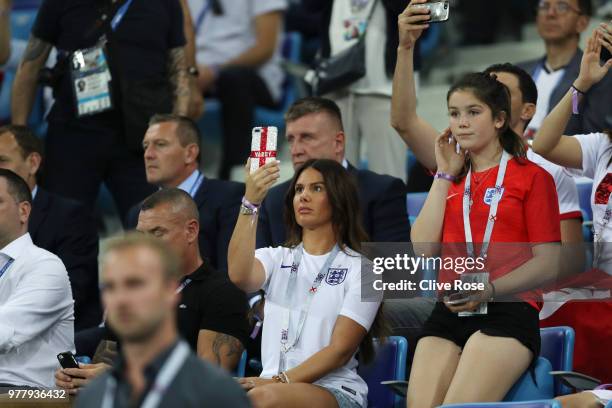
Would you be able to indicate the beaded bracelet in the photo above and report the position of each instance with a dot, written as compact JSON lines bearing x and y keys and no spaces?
{"x":445,"y":176}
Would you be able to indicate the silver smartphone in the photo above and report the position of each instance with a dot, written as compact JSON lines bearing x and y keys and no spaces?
{"x":438,"y":10}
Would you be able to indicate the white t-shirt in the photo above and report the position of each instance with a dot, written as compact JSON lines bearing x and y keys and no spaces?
{"x":596,"y":153}
{"x":223,"y":37}
{"x":348,"y":21}
{"x":338,"y":294}
{"x":546,"y":82}
{"x":567,"y":192}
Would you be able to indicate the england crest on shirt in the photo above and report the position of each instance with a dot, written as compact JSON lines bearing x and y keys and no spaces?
{"x":488,"y":197}
{"x":336,"y":276}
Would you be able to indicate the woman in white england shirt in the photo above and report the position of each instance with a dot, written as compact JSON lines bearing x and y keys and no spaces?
{"x":308,"y":357}
{"x":589,"y":155}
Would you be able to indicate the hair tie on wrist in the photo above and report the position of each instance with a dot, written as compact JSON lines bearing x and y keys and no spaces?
{"x":575,"y":92}
{"x":249,"y":204}
{"x":445,"y":176}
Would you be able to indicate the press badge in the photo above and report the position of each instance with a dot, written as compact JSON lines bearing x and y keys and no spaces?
{"x":90,"y":80}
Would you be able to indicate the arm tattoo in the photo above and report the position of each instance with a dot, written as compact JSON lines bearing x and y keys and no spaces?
{"x":35,"y":49}
{"x":226,"y":344}
{"x":177,"y":71}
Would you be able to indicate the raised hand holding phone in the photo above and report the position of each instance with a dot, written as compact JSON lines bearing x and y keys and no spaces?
{"x":439,"y":11}
{"x":262,"y":168}
{"x":411,"y":23}
{"x":591,"y":69}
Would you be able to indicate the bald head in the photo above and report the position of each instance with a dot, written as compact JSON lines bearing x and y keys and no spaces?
{"x":179,"y":202}
{"x":172,"y":216}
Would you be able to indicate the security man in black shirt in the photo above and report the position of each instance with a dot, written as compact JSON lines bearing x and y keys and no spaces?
{"x":119,"y":62}
{"x":211,"y":314}
{"x":212,"y":311}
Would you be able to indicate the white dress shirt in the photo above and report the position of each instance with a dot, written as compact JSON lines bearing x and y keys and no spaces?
{"x":36,"y":314}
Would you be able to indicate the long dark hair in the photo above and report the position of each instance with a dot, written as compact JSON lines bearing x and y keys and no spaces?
{"x":487,"y":89}
{"x":341,"y":190}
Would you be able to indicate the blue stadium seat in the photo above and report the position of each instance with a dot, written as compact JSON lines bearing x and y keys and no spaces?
{"x":414,"y":203}
{"x":558,"y":348}
{"x":556,"y":354}
{"x":524,"y":404}
{"x":525,"y":389}
{"x":241,"y":369}
{"x":389,"y":364}
{"x":584,"y":196}
{"x":210,"y":122}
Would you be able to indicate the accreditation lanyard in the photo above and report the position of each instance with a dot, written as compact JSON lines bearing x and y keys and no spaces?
{"x":598,"y":235}
{"x":285,"y":345}
{"x":120,"y":14}
{"x":182,"y":286}
{"x":6,"y":266}
{"x":166,"y":375}
{"x":467,"y":205}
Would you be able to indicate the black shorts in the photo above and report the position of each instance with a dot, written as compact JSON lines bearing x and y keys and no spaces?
{"x":517,"y":320}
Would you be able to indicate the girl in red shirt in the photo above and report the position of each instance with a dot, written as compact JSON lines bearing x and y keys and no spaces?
{"x":485,"y":190}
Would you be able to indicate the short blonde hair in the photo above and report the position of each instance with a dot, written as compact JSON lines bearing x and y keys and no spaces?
{"x":170,"y":262}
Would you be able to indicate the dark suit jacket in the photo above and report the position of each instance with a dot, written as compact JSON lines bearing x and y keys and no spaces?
{"x":218,"y":202}
{"x":595,"y":112}
{"x":383,"y":205}
{"x":65,"y":228}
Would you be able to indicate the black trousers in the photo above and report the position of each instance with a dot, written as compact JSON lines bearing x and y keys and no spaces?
{"x":83,"y":153}
{"x":240,"y":90}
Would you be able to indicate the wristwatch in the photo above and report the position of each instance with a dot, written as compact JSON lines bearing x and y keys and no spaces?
{"x":193,"y":71}
{"x":246,"y":210}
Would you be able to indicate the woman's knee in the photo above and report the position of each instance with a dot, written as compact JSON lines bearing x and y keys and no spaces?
{"x":264,"y":397}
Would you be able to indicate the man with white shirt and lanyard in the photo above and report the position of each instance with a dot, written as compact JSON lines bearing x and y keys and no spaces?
{"x":62,"y":226}
{"x":36,"y":306}
{"x":155,"y":368}
{"x":560,"y":23}
{"x":172,"y":160}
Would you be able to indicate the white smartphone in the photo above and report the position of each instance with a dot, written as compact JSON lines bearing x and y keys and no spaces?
{"x":263,"y":146}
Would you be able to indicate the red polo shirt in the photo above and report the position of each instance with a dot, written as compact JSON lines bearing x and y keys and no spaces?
{"x":528,"y":212}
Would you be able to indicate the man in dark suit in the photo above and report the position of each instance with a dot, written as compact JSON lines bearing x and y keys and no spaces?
{"x":560,"y":23}
{"x":314,"y":131}
{"x":172,"y":160}
{"x":59,"y":225}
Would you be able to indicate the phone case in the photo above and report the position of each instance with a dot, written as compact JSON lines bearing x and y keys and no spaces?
{"x":438,"y":10}
{"x":263,"y":146}
{"x":67,"y":360}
